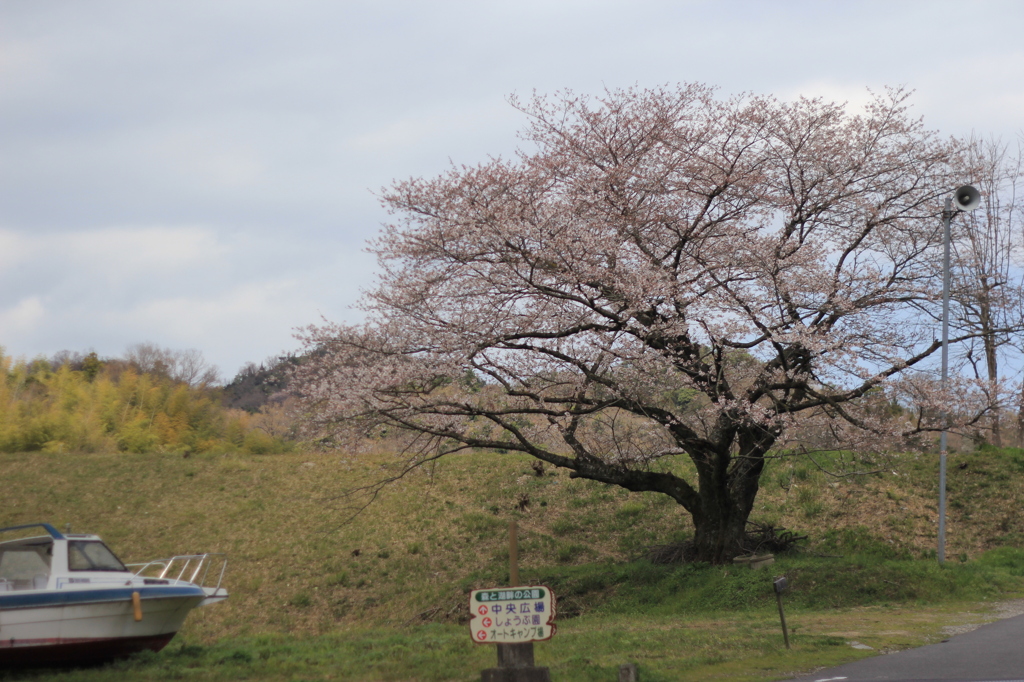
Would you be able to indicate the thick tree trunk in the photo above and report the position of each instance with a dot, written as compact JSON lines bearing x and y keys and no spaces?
{"x":719,"y":532}
{"x":728,"y":488}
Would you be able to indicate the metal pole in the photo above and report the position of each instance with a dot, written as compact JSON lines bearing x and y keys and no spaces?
{"x":947,"y":215}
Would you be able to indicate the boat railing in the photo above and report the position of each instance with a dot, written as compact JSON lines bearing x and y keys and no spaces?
{"x":198,"y":569}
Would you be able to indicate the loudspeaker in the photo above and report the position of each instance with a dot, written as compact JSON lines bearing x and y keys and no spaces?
{"x":967,"y":198}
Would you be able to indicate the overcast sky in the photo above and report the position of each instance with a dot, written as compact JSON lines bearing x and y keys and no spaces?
{"x":201,"y":174}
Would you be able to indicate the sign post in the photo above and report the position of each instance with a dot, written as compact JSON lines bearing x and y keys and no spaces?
{"x":519,"y":655}
{"x":780,"y":585}
{"x":513,"y":554}
{"x":520,"y":615}
{"x":513,"y":618}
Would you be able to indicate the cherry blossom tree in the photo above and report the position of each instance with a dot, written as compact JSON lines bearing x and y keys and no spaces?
{"x":659,"y":274}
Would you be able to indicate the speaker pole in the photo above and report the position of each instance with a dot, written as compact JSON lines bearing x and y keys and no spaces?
{"x":947,"y":217}
{"x":967,"y":200}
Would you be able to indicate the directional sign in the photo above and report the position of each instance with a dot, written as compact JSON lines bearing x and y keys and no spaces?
{"x":511,"y":615}
{"x":780,"y":584}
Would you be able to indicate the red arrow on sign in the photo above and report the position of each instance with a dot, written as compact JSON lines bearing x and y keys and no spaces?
{"x":482,"y":634}
{"x":487,"y":622}
{"x":482,"y":610}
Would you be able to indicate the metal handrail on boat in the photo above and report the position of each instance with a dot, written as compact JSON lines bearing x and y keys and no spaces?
{"x":177,"y":567}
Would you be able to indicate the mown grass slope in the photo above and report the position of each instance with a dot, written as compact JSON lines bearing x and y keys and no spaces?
{"x":299,"y":562}
{"x":304,"y":572}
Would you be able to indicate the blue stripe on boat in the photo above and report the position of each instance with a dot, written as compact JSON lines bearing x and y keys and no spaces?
{"x":54,"y":533}
{"x":58,"y":598}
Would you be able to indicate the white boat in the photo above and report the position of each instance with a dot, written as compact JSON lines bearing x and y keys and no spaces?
{"x":66,"y":598}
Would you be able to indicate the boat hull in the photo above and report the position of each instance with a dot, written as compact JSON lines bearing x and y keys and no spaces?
{"x":90,"y":625}
{"x":58,"y":652}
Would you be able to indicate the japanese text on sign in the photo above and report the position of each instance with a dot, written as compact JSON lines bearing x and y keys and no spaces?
{"x":509,"y":616}
{"x":506,"y":595}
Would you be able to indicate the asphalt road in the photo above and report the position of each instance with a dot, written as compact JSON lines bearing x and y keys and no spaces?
{"x":992,"y":652}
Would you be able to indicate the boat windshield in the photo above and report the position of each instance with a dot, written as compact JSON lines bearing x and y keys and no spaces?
{"x":92,"y":555}
{"x":25,"y":563}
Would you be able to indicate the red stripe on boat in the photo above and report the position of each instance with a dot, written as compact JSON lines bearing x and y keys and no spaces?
{"x":56,"y":652}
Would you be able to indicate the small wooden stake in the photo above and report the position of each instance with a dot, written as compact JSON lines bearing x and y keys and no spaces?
{"x":782,"y":617}
{"x":513,"y":554}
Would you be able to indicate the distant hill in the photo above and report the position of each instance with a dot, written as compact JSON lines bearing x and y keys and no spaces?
{"x":256,"y":386}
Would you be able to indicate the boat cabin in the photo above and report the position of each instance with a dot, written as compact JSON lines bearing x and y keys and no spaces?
{"x":36,"y":561}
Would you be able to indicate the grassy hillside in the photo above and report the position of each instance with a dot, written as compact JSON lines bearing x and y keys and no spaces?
{"x":299,"y":562}
{"x":397,"y":573}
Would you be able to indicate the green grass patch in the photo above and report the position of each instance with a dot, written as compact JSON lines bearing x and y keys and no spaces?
{"x":740,"y":646}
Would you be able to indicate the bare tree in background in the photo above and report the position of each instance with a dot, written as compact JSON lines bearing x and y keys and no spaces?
{"x":192,"y":368}
{"x":148,"y":358}
{"x":987,"y":281}
{"x":187,"y":366}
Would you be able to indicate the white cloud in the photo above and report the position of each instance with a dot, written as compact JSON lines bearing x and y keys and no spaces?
{"x":234,"y":297}
{"x":855,"y":95}
{"x":207,"y":158}
{"x":24,"y":317}
{"x":21,"y":63}
{"x":141,"y":251}
{"x":14,"y":248}
{"x":116,"y":255}
{"x":245,"y":306}
{"x":420,"y":128}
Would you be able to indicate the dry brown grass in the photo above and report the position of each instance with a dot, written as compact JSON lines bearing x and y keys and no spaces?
{"x":299,"y":564}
